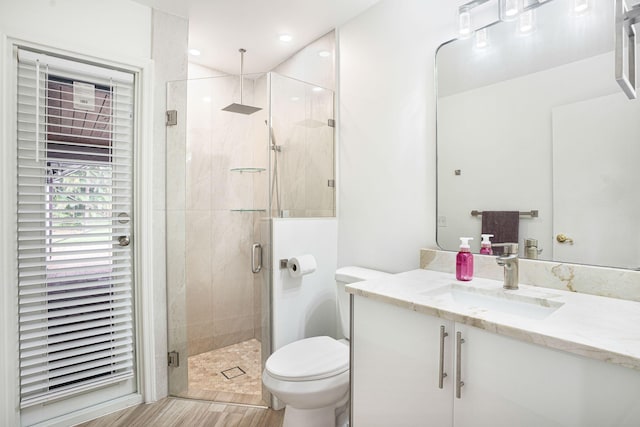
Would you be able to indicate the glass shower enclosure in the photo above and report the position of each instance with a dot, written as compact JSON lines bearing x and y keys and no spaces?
{"x":228,"y":174}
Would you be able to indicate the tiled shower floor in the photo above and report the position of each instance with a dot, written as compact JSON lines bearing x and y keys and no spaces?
{"x":229,"y":374}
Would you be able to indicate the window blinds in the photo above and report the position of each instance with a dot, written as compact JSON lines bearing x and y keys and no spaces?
{"x":74,"y":167}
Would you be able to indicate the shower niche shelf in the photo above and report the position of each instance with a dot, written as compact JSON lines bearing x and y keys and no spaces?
{"x":248,"y":170}
{"x":248,"y":210}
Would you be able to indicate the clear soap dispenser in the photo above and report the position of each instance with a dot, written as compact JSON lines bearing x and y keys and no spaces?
{"x":485,"y":245}
{"x":464,"y":260}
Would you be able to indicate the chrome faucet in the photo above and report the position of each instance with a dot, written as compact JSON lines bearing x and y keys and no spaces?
{"x":509,"y":260}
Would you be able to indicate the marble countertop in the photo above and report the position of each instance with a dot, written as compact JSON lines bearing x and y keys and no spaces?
{"x":601,"y":328}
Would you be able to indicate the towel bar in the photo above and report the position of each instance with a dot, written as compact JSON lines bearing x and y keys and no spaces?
{"x":531,"y":213}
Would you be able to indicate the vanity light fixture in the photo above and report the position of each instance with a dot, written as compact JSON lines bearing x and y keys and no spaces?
{"x":464,"y":23}
{"x":508,"y":9}
{"x":580,"y":6}
{"x":526,"y":21}
{"x":482,"y":38}
{"x":626,"y":17}
{"x":464,"y":18}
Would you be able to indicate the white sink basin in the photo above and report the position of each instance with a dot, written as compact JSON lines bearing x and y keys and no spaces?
{"x":470,"y":298}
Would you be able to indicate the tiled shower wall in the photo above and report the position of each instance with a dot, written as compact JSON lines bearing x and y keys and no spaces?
{"x":220,"y":226}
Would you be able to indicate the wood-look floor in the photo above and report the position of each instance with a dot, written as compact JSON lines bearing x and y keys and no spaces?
{"x":171,"y":412}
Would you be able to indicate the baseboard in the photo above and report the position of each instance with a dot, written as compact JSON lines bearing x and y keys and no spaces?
{"x":93,"y":412}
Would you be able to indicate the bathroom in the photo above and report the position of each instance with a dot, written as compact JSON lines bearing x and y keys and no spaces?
{"x":385,"y":146}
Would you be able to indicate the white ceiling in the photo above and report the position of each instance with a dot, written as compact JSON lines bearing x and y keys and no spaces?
{"x":218,"y":28}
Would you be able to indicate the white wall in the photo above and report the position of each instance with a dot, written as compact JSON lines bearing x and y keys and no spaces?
{"x":306,"y":306}
{"x":114,"y":29}
{"x":386,"y":182}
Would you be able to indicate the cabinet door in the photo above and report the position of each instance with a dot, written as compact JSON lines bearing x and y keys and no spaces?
{"x":512,"y":383}
{"x":395,"y":369}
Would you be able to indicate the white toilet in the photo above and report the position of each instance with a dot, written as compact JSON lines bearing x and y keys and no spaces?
{"x":311,"y":376}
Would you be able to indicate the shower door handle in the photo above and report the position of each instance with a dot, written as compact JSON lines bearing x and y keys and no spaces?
{"x":256,"y":268}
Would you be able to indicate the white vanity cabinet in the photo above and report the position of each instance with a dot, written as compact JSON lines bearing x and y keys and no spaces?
{"x":395,"y":367}
{"x":507,"y":382}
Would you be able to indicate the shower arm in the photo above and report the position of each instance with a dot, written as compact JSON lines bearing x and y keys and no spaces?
{"x":242,"y":51}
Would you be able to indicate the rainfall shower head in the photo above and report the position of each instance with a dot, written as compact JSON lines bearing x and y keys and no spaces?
{"x":241,"y":108}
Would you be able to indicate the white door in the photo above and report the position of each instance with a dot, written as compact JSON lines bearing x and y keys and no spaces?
{"x":596,"y":151}
{"x":75,"y":265}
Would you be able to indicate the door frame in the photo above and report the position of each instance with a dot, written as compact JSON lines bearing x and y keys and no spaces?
{"x":144,"y":291}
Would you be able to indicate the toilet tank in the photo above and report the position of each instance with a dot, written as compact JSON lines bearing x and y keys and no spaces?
{"x":344,"y":276}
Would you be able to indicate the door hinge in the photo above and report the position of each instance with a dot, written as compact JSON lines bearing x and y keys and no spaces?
{"x":172,"y":118}
{"x":331,"y":183}
{"x":174,"y":359}
{"x":331,"y":123}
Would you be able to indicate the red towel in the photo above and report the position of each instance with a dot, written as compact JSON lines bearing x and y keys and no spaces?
{"x":503,"y":225}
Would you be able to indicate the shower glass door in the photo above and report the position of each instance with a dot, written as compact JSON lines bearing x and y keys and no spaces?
{"x":217,"y":239}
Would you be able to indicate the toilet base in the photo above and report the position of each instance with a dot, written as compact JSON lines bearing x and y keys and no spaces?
{"x":319,"y":417}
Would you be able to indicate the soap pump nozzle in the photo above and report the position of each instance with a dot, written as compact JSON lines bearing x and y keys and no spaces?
{"x":464,"y":244}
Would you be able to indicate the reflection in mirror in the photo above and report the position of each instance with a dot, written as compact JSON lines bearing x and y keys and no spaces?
{"x":537,"y":121}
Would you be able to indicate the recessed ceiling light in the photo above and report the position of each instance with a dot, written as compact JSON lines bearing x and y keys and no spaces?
{"x":194,"y":52}
{"x":324,"y":54}
{"x":286,"y":38}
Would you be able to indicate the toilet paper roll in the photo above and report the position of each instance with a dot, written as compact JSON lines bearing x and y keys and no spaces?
{"x":302,"y":265}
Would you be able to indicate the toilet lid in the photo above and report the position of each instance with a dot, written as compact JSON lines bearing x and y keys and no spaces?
{"x":309,"y":359}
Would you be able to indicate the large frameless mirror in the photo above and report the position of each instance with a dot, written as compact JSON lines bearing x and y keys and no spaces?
{"x":531,"y":119}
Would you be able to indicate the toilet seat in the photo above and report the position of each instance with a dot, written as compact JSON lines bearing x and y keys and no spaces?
{"x":309,"y":359}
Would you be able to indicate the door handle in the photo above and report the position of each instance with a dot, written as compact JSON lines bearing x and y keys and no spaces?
{"x":563,"y":238}
{"x":256,"y":268}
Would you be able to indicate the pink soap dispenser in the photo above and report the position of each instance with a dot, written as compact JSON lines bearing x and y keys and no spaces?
{"x":464,"y":260}
{"x":485,"y":245}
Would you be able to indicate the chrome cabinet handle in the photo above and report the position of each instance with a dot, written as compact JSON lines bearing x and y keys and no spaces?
{"x":124,"y":240}
{"x":441,"y":373}
{"x":459,"y":382}
{"x":256,"y":268}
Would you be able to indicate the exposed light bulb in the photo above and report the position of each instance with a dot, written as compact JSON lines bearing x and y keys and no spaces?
{"x":509,"y":9}
{"x":526,"y":22}
{"x":464,"y":23}
{"x":580,"y":5}
{"x":482,"y":38}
